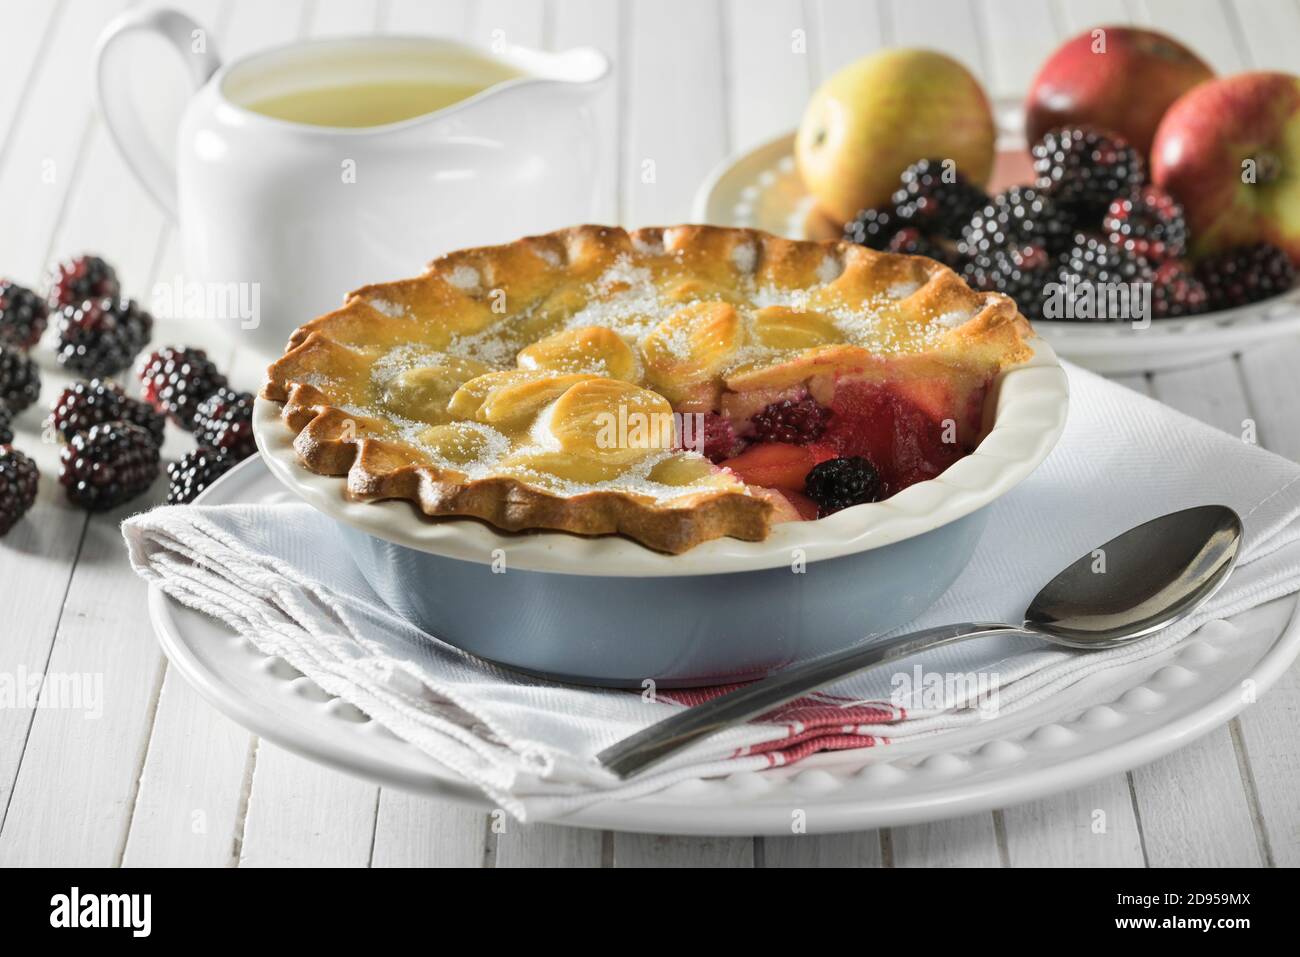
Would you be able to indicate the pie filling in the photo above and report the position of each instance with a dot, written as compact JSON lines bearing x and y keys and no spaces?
{"x":675,"y":369}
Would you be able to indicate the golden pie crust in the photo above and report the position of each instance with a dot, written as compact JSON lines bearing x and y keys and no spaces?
{"x":473,"y":390}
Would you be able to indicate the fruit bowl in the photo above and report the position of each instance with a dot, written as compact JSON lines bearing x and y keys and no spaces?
{"x":608,"y":611}
{"x":761,"y":189}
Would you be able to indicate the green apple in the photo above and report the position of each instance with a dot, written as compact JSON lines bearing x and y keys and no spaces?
{"x":877,"y":116}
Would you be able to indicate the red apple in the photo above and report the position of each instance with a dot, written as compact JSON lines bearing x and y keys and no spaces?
{"x":1119,"y":79}
{"x":1229,"y":151}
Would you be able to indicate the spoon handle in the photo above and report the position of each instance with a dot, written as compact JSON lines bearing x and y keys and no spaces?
{"x":667,"y":737}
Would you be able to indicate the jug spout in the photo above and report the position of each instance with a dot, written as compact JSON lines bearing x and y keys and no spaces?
{"x":580,"y":66}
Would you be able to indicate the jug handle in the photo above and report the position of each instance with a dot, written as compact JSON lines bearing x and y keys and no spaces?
{"x":155,"y":171}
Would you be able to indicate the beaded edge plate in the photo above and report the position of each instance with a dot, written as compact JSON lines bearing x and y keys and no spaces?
{"x":1110,"y":722}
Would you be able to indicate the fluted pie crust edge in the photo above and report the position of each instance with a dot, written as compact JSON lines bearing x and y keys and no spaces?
{"x":333,"y":441}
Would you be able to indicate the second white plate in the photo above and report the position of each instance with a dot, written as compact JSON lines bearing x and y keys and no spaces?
{"x":1113,"y":721}
{"x":761,"y":189}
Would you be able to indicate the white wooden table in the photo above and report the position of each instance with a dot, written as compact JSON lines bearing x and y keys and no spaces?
{"x":162,"y":778}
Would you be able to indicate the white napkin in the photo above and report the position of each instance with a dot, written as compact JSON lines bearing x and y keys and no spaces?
{"x":276,"y":575}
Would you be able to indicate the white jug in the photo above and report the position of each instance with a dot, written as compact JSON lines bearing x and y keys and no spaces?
{"x":301,"y":214}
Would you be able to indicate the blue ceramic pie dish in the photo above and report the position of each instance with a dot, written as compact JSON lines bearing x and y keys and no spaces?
{"x":608,"y":611}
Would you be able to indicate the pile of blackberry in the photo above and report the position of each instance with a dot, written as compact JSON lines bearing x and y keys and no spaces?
{"x":924,"y":216}
{"x":1089,"y":218}
{"x":111,"y":440}
{"x":188,"y":388}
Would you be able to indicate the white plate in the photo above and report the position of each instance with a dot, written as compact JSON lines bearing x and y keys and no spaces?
{"x":761,"y":189}
{"x":1110,"y":722}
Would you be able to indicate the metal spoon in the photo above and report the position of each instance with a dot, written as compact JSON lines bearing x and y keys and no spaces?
{"x":1154,"y":575}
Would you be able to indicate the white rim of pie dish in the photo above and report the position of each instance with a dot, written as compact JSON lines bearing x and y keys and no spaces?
{"x":1031,"y":401}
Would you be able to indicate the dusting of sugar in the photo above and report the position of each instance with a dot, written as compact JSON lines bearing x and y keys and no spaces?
{"x":648,"y":247}
{"x":744,"y":256}
{"x":493,"y":345}
{"x":548,"y":256}
{"x":385,"y":307}
{"x":466,"y":278}
{"x":829,"y":269}
{"x":901,"y":290}
{"x":953,"y":318}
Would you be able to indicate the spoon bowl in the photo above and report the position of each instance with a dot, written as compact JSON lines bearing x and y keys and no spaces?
{"x":1140,"y":581}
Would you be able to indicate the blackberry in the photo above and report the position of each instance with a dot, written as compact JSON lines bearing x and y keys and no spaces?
{"x":1148,"y":222}
{"x":84,"y":404}
{"x":839,"y":483}
{"x":1097,"y":260}
{"x":1020,"y":215}
{"x":720,"y":439}
{"x":6,"y":425}
{"x":23,"y":315}
{"x":224,"y":420}
{"x":1084,"y":166}
{"x":86,"y":277}
{"x":175,"y":380}
{"x":18,"y":481}
{"x":1021,"y":272}
{"x":1176,"y":291}
{"x":1092,"y":264}
{"x":935,"y":207}
{"x":913,"y":242}
{"x":108,"y":464}
{"x":101,"y":336}
{"x":20,"y":380}
{"x":1246,"y":274}
{"x":796,"y":421}
{"x":872,"y":228}
{"x":197,"y":470}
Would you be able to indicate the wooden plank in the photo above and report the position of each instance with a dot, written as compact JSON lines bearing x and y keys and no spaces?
{"x":596,"y":23}
{"x":1193,"y":809}
{"x":856,"y":849}
{"x":189,"y":810}
{"x":1091,"y":826}
{"x":958,"y":842}
{"x":73,"y":796}
{"x":945,"y":25}
{"x":843,"y":31}
{"x":28,"y":30}
{"x":769,"y":70}
{"x":1267,"y":34}
{"x":342,"y":17}
{"x":303,"y":814}
{"x":449,"y":18}
{"x":414,"y":831}
{"x":1018,"y":37}
{"x":662,"y":850}
{"x":521,"y":22}
{"x":1201,"y":24}
{"x":1079,"y":15}
{"x":45,"y":143}
{"x":549,"y":845}
{"x":1211,"y":393}
{"x":676,"y":119}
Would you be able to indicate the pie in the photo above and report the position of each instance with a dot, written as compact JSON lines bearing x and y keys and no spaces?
{"x":671,"y":385}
